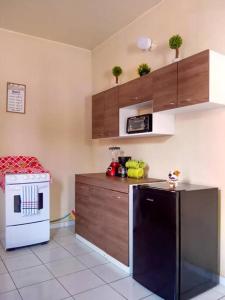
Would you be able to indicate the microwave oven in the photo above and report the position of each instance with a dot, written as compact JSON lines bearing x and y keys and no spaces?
{"x":139,"y":124}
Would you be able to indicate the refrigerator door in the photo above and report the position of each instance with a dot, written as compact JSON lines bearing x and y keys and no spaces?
{"x":155,"y":241}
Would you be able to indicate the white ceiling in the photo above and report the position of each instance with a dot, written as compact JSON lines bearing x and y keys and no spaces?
{"x":82,"y":23}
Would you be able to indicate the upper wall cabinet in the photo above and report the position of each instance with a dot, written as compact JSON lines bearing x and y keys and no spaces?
{"x":105,"y":114}
{"x":201,"y":81}
{"x":193,"y":79}
{"x":111,"y":114}
{"x":98,"y":109}
{"x":135,"y":91}
{"x":194,"y":83}
{"x":165,"y":88}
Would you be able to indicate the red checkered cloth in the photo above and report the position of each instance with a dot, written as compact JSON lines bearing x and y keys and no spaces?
{"x":19,"y":165}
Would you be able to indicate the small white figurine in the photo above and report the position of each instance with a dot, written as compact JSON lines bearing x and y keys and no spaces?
{"x":173,"y":178}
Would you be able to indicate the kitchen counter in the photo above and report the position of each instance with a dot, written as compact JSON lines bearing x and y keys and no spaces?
{"x":103,"y":214}
{"x":112,"y":182}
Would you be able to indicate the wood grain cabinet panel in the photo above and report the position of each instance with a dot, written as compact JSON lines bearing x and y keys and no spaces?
{"x":98,"y":106}
{"x":96,"y":208}
{"x":135,"y":91}
{"x":117,"y":231}
{"x":105,"y":114}
{"x":102,"y":219}
{"x":193,"y":79}
{"x":111,"y":113}
{"x":165,"y":88}
{"x":83,"y":227}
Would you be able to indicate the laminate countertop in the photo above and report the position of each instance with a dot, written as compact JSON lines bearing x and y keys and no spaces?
{"x":112,"y":182}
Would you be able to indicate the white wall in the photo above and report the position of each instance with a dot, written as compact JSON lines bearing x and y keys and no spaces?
{"x":56,"y":126}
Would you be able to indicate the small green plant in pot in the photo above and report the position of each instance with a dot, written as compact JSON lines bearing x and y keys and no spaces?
{"x":143,"y":69}
{"x":117,"y":71}
{"x":175,"y":42}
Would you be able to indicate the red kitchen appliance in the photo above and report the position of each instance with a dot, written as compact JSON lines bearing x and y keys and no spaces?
{"x":114,"y":166}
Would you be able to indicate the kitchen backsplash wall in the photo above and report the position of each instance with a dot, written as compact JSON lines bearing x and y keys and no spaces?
{"x":198,"y":146}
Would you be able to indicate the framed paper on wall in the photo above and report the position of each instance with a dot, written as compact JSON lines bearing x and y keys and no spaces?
{"x":16,"y":98}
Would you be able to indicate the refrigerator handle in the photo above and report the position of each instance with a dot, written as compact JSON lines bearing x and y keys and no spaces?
{"x":150,"y":199}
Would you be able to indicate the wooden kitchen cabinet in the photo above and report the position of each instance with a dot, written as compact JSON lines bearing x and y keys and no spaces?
{"x":102,"y":211}
{"x":111,"y":113}
{"x":98,"y":108}
{"x":103,"y":218}
{"x":197,"y":79}
{"x":90,"y":209}
{"x":135,"y":91}
{"x":105,"y":114}
{"x":165,"y":88}
{"x":116,"y":225}
{"x":83,"y":222}
{"x":96,"y":208}
{"x":193,"y":79}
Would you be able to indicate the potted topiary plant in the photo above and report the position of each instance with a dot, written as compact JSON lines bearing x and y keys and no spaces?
{"x":117,"y":71}
{"x":143,"y":69}
{"x":175,"y":42}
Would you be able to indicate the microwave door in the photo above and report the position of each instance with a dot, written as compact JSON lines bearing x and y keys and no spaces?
{"x":139,"y":124}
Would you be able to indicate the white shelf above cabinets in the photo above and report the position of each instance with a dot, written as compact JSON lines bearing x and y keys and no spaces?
{"x":163,"y":123}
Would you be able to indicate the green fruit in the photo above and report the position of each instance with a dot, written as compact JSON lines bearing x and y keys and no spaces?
{"x":132,"y":164}
{"x":135,"y":173}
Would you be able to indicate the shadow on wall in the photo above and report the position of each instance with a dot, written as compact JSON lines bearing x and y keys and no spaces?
{"x":133,"y":140}
{"x":55,"y":198}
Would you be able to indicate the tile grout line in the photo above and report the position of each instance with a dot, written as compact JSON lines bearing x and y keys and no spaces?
{"x":16,"y":289}
{"x":54,"y":277}
{"x":89,"y":268}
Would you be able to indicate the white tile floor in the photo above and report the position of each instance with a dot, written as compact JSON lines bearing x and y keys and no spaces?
{"x":67,"y":269}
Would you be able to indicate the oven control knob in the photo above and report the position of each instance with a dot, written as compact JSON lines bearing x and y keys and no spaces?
{"x":25,"y":177}
{"x":43,"y":176}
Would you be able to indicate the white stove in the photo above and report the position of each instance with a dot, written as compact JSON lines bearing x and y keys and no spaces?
{"x":24,"y":210}
{"x":26,"y":178}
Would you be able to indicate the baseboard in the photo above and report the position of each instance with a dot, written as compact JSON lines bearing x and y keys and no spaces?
{"x":222,"y":280}
{"x":62,"y":224}
{"x":100,"y":251}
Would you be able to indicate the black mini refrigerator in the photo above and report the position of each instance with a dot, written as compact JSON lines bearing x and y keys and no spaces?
{"x":175,"y":239}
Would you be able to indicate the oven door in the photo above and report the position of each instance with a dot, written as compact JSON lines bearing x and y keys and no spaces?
{"x":13,"y":207}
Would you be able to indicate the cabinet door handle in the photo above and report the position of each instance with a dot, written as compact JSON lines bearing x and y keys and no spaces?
{"x":150,"y":199}
{"x":118,"y":197}
{"x":172,"y":103}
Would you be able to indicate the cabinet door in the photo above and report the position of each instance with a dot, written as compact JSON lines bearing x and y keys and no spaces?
{"x":83,"y":225}
{"x":116,"y":225}
{"x":96,"y":209}
{"x":193,"y":79}
{"x":98,"y":115}
{"x":111,"y":113}
{"x":165,"y":88}
{"x":135,"y":91}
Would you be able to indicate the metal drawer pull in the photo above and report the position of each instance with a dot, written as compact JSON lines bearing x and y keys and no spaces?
{"x":118,"y":197}
{"x":149,"y":199}
{"x":172,"y":103}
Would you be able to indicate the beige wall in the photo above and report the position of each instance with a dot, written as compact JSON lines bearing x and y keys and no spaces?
{"x":198,"y":146}
{"x":56,"y":126}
